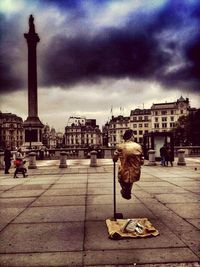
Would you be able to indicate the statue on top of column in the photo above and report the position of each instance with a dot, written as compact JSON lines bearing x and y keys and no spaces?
{"x":31,"y":24}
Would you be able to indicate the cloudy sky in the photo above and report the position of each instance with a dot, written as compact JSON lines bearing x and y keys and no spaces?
{"x":98,"y":54}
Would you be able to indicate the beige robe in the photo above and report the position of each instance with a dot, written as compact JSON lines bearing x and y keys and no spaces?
{"x":130,"y":154}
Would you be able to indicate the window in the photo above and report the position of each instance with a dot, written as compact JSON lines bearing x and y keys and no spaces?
{"x":164,"y":125}
{"x":146,"y":131}
{"x":156,"y":125}
{"x":135,"y":132}
{"x":156,"y":119}
{"x":172,"y":118}
{"x":140,"y":125}
{"x":172,"y":112}
{"x":164,"y":118}
{"x":146,"y":118}
{"x":140,"y":140}
{"x":156,"y":113}
{"x":134,"y":125}
{"x":181,"y":111}
{"x":172,"y":124}
{"x":146,"y":125}
{"x":163,"y":112}
{"x":134,"y":118}
{"x":140,"y":118}
{"x":140,"y":132}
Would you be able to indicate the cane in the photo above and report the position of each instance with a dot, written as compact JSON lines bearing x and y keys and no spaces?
{"x":116,"y":215}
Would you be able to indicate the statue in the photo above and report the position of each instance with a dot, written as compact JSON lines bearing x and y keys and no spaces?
{"x":31,"y":24}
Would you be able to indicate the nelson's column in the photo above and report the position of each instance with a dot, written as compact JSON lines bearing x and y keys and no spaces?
{"x":32,"y":125}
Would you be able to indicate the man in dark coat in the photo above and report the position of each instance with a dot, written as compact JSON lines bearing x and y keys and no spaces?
{"x":7,"y":159}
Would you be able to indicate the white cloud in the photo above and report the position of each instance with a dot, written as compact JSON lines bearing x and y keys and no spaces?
{"x":56,"y":105}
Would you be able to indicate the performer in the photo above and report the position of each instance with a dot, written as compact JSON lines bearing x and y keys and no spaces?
{"x":131,"y":159}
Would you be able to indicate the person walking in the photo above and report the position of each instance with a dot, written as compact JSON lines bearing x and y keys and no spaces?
{"x":7,"y":159}
{"x":131,"y":158}
{"x":169,"y":156}
{"x":163,"y":155}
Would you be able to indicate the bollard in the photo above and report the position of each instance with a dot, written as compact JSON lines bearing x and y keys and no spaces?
{"x":181,"y":157}
{"x":81,"y":154}
{"x":93,"y":158}
{"x":152,"y":161}
{"x":32,"y":160}
{"x":1,"y":160}
{"x":63,"y":157}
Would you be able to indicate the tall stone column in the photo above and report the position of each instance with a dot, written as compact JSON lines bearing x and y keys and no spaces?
{"x":32,"y":124}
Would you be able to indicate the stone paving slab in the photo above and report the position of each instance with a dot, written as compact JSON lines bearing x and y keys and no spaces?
{"x":42,"y":237}
{"x":7,"y":187}
{"x":190,"y":211}
{"x":102,"y":212}
{"x":42,"y":259}
{"x":31,"y":187}
{"x":65,"y":192}
{"x":97,"y":231}
{"x":159,"y":184}
{"x":51,"y":214}
{"x":7,"y":215}
{"x":102,"y":257}
{"x":72,"y":180}
{"x":15,"y":202}
{"x":163,"y":189}
{"x":195,"y":222}
{"x":108,"y":199}
{"x":45,"y":201}
{"x":174,"y":198}
{"x":21,"y":193}
{"x":68,"y":185}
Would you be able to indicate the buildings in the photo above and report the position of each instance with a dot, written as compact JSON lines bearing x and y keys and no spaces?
{"x":11,"y":131}
{"x":84,"y":133}
{"x":160,"y":117}
{"x":51,"y":138}
{"x":81,"y":132}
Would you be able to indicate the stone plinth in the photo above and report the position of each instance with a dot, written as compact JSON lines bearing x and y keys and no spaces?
{"x":181,"y":157}
{"x":63,"y":158}
{"x":32,"y":160}
{"x":93,"y":159}
{"x":152,"y":161}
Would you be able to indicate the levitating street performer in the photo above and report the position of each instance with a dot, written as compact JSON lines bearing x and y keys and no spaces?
{"x":131,"y":159}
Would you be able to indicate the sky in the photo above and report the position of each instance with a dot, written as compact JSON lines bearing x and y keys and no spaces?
{"x":98,"y":55}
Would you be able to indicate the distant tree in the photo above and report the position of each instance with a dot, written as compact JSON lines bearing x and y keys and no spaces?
{"x":187,"y":131}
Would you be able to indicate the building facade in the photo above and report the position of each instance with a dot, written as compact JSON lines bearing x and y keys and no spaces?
{"x":161,"y":117}
{"x":82,"y":133}
{"x":11,"y":131}
{"x":116,"y":128}
{"x":164,"y":116}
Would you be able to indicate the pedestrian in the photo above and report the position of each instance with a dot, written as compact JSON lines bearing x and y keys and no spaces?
{"x":169,"y":156}
{"x":7,"y":159}
{"x":19,"y":153}
{"x":163,"y":155}
{"x":20,"y":167}
{"x":131,"y":159}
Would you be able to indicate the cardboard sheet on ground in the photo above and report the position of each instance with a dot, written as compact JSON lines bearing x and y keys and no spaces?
{"x":130,"y":228}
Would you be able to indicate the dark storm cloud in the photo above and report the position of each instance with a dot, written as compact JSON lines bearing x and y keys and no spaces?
{"x":114,"y":53}
{"x":134,"y":51}
{"x":10,"y":56}
{"x":162,"y":45}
